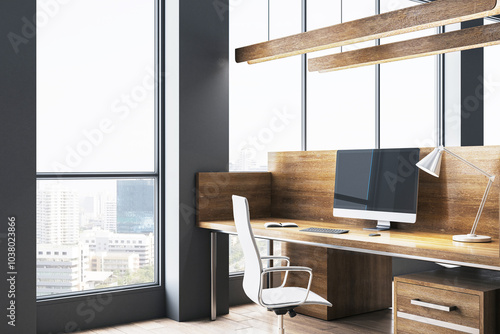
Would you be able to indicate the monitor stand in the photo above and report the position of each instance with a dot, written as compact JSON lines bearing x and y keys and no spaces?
{"x":382,"y":225}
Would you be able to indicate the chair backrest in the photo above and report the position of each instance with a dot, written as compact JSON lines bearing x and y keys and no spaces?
{"x":253,"y":263}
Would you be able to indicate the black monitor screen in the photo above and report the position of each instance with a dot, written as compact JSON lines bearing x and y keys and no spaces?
{"x":377,"y":180}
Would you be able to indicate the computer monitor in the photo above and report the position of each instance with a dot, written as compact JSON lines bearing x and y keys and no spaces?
{"x":378,"y":184}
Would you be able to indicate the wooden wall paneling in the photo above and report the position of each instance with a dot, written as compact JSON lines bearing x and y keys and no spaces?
{"x":214,"y":191}
{"x":353,"y":282}
{"x":450,"y":203}
{"x":303,"y":185}
{"x":434,"y":14}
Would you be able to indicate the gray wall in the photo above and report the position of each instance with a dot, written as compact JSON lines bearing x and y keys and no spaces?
{"x":197,"y":140}
{"x":68,"y":315}
{"x":472,"y":93}
{"x":17,"y":164}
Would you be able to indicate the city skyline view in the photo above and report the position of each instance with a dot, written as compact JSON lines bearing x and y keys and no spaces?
{"x":81,"y":243}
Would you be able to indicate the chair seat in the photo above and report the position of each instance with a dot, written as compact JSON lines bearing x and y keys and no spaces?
{"x":274,"y":297}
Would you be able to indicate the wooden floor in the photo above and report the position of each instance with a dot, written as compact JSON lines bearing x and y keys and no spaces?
{"x":254,"y":319}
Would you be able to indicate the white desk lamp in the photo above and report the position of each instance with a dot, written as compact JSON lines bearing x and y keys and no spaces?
{"x":432,"y":165}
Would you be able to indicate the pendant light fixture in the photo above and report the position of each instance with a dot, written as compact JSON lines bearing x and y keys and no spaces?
{"x":429,"y":15}
{"x":465,"y":39}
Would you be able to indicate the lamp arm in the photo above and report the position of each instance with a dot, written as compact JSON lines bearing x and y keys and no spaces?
{"x":481,"y":207}
{"x":491,"y":177}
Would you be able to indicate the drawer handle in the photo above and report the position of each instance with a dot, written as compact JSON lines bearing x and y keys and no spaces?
{"x":418,"y":302}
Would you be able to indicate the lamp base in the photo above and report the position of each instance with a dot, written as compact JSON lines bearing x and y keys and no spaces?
{"x":471,"y":238}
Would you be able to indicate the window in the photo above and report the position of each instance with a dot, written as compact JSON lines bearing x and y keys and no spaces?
{"x":236,"y":260}
{"x":407,"y":93}
{"x":491,"y":92}
{"x":265,"y":98}
{"x":340,"y":106}
{"x":96,"y":146}
{"x":336,"y":101}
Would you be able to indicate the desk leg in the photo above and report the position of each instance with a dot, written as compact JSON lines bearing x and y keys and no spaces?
{"x":213,"y":279}
{"x":270,"y":251}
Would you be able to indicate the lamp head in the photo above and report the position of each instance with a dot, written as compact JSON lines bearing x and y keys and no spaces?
{"x":432,"y":162}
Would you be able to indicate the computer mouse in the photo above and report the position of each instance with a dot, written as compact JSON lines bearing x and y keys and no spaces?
{"x":374,"y":234}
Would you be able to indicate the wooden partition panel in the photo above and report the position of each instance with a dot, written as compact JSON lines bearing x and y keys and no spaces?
{"x":214,"y":191}
{"x":450,"y":203}
{"x":303,"y":185}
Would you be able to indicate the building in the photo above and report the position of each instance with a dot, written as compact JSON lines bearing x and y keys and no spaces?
{"x":58,"y":215}
{"x":135,"y":206}
{"x":116,"y":262}
{"x":110,"y":215}
{"x":61,"y":268}
{"x":105,"y":242}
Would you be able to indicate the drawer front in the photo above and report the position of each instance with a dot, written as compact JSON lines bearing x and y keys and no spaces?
{"x":430,"y":302}
{"x":407,"y":326}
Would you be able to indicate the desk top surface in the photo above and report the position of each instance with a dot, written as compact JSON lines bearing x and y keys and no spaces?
{"x":427,"y":246}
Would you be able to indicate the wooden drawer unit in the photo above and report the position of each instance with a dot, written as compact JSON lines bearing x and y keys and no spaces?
{"x":458,"y":300}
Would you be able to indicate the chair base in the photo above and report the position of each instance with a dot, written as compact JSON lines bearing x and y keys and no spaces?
{"x":285,"y":310}
{"x":280,"y":312}
{"x":281,"y":324}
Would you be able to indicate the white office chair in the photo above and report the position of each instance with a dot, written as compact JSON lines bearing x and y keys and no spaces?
{"x":283,"y":299}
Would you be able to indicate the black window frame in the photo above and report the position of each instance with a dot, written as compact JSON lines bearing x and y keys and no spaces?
{"x":105,"y":307}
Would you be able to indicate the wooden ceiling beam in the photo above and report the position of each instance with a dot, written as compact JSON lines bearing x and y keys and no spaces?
{"x":429,"y":15}
{"x":459,"y":40}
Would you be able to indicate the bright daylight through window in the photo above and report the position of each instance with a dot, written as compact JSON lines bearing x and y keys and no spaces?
{"x":335,"y":102}
{"x":96,"y":145}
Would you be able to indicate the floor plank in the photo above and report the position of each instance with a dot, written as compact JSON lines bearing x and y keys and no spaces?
{"x":108,"y":330}
{"x":254,"y":319}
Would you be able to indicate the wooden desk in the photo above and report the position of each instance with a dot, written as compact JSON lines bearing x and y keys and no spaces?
{"x":361,"y":256}
{"x":299,"y":188}
{"x":427,"y":246}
